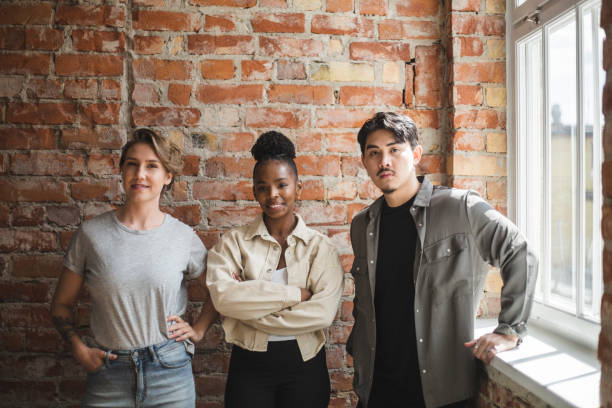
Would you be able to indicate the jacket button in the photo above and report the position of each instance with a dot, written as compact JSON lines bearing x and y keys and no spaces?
{"x":371,"y":233}
{"x":424,"y":371}
{"x":420,"y":340}
{"x":371,"y":261}
{"x":420,"y":224}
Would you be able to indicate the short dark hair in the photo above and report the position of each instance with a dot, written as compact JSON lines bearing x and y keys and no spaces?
{"x":403,"y":128}
{"x":274,"y":145}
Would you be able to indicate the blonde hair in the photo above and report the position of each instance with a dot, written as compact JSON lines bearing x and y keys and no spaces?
{"x":169,"y":154}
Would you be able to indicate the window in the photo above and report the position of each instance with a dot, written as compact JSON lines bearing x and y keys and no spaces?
{"x":558,"y":80}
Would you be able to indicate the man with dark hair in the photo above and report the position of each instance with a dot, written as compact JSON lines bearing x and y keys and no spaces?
{"x":422,"y":253}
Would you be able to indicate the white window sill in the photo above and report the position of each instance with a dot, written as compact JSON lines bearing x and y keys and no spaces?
{"x":558,"y":372}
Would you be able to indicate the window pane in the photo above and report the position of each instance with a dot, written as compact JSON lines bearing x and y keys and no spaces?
{"x":562,"y":124}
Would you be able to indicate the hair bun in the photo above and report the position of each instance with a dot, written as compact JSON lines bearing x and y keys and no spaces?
{"x":273,"y":145}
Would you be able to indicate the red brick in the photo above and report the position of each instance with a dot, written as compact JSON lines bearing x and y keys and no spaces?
{"x":428,"y":71}
{"x":145,"y":94}
{"x":362,"y":95}
{"x":229,"y":167}
{"x":339,"y":6}
{"x":309,"y":141}
{"x":35,"y":64}
{"x":339,"y":334}
{"x":469,"y":141}
{"x":281,"y":4}
{"x":28,"y":391}
{"x":217,"y":69}
{"x":323,"y":214}
{"x":290,"y":70}
{"x":418,"y":8}
{"x":41,"y":113}
{"x":480,"y":72}
{"x":221,"y":44}
{"x":342,"y":25}
{"x":162,"y":116}
{"x":31,"y":13}
{"x":470,"y":183}
{"x":39,"y":138}
{"x":343,"y":190}
{"x":302,"y":94}
{"x":375,"y":7}
{"x":467,"y":95}
{"x":110,"y":89}
{"x":89,"y":65}
{"x":234,"y":94}
{"x":219,"y":23}
{"x":156,"y":20}
{"x":465,"y":5}
{"x":342,"y":118}
{"x":271,"y":117}
{"x":253,"y":70}
{"x":223,"y":190}
{"x":81,"y":89}
{"x":376,"y":51}
{"x":43,"y":163}
{"x":237,"y":142}
{"x":99,"y":190}
{"x":471,"y":24}
{"x":11,"y":341}
{"x":368,"y":191}
{"x":278,"y":23}
{"x":225,"y":3}
{"x":409,"y":86}
{"x":318,"y":165}
{"x":179,"y":94}
{"x":157,"y":69}
{"x":100,"y":113}
{"x":27,"y":216}
{"x":90,"y":15}
{"x":402,"y":30}
{"x":148,"y":45}
{"x":431,"y":164}
{"x":27,"y":241}
{"x":26,"y":316}
{"x":43,"y":341}
{"x":101,"y":41}
{"x":312,"y":190}
{"x":191,"y":165}
{"x":478,"y":119}
{"x":179,"y":191}
{"x":24,"y":291}
{"x":351,"y":166}
{"x":44,"y":88}
{"x":423,"y":118}
{"x":189,"y":214}
{"x":12,"y":38}
{"x":342,"y":142}
{"x":37,"y":266}
{"x":44,"y":39}
{"x":32,"y":190}
{"x":468,"y":46}
{"x":496,"y":190}
{"x":290,"y":47}
{"x":5,"y":213}
{"x":101,"y":164}
{"x":229,"y":216}
{"x":63,"y":216}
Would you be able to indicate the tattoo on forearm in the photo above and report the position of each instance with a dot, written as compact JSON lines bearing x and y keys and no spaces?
{"x":64,"y":326}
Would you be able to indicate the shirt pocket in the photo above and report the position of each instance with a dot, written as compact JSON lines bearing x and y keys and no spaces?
{"x":173,"y":355}
{"x":448,"y":269}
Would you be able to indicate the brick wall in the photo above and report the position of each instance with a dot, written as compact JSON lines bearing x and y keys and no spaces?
{"x":212,"y":75}
{"x":605,"y":338}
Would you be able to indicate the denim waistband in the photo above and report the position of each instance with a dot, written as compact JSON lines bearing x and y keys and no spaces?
{"x":140,"y":353}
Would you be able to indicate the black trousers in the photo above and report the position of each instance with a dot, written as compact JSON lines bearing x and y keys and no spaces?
{"x":278,"y":378}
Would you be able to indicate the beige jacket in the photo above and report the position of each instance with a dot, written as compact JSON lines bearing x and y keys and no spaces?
{"x":257,"y":307}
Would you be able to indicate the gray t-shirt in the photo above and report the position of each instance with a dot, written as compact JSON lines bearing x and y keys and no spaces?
{"x":136,"y":279}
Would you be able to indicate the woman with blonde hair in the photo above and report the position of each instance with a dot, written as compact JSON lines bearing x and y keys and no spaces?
{"x":136,"y":262}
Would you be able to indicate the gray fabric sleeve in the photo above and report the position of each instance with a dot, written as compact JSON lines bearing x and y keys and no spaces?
{"x":76,"y":253}
{"x":501,"y":244}
{"x":197,"y":258}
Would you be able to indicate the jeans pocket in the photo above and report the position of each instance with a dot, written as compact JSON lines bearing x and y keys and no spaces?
{"x":173,"y":355}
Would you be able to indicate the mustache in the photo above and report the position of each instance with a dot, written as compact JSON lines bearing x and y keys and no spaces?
{"x":384,"y":169}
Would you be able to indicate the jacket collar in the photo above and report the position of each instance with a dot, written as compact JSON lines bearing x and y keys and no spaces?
{"x":422,"y":198}
{"x":258,"y":228}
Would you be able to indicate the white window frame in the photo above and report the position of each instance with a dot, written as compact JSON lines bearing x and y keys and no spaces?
{"x":539,"y":13}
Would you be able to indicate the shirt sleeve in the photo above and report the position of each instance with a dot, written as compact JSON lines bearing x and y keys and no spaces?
{"x":197,"y":258}
{"x":245,"y":300}
{"x":75,"y":257}
{"x":501,"y":244}
{"x":326,"y":282}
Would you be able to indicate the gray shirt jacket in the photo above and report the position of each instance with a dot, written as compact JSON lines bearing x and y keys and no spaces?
{"x":460,"y":235}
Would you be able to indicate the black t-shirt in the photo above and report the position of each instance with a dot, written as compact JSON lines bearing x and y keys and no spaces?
{"x":397,"y":382}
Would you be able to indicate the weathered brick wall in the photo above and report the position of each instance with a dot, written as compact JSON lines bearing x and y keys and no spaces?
{"x":605,"y":338}
{"x":212,"y":75}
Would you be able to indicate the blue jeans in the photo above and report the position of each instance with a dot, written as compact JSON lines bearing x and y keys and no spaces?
{"x":154,"y":376}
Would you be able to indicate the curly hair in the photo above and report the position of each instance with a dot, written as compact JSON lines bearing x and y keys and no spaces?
{"x":274,"y":146}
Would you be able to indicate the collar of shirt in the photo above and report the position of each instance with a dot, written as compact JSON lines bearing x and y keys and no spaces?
{"x":258,"y":228}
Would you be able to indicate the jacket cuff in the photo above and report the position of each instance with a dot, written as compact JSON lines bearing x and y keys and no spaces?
{"x":518,"y":330}
{"x":294,"y":296}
